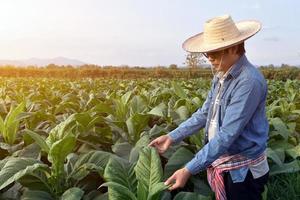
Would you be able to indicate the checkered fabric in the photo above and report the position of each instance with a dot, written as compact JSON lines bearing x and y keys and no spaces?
{"x":223,"y":164}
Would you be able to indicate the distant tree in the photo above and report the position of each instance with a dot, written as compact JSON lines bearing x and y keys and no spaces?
{"x":194,"y":60}
{"x":284,"y":65}
{"x":173,"y":66}
{"x":51,"y":66}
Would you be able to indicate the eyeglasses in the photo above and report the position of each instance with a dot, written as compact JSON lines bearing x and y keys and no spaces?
{"x":214,"y":54}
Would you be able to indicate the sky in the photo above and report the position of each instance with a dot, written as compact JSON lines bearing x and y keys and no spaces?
{"x":140,"y":32}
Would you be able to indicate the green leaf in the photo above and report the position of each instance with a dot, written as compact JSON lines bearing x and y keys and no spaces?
{"x":37,"y":179}
{"x":125,"y":98}
{"x":38,"y":139}
{"x":177,"y":161}
{"x":80,"y":173}
{"x":275,"y":156}
{"x":117,"y":191}
{"x":61,"y":130}
{"x":13,"y":113}
{"x":98,"y":158}
{"x":137,"y":105}
{"x":294,"y":152}
{"x":160,"y":110}
{"x":73,"y":193}
{"x":58,"y":153}
{"x":142,"y":142}
{"x":30,"y":151}
{"x":121,"y":172}
{"x":190,"y":196}
{"x":290,"y":167}
{"x":102,"y":108}
{"x":280,"y":127}
{"x":148,"y":171}
{"x":183,"y":112}
{"x":156,"y":191}
{"x":2,"y":126}
{"x":136,"y":124}
{"x":36,"y":195}
{"x":15,"y":168}
{"x":122,"y":149}
{"x":12,"y":124}
{"x":179,"y":90}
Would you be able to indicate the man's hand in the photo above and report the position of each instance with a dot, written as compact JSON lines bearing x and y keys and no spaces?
{"x":161,"y":143}
{"x":179,"y":178}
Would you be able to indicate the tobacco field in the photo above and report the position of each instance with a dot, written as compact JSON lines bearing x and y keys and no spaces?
{"x":88,"y":139}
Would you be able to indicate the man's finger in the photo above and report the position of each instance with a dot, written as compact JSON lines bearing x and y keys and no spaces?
{"x":170,"y":180}
{"x":175,"y":186}
{"x":152,"y":144}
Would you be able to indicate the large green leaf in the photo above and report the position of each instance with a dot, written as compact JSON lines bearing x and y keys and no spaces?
{"x":98,"y":158}
{"x":294,"y":152}
{"x":80,"y":173}
{"x":61,"y":130}
{"x":177,"y":161}
{"x":122,"y":149}
{"x":36,"y":195}
{"x":121,"y":172}
{"x":37,"y":179}
{"x":160,"y":110}
{"x":183,"y":112}
{"x":148,"y":172}
{"x":11,"y":123}
{"x":125,"y":98}
{"x":137,"y":105}
{"x":280,"y":128}
{"x":30,"y":151}
{"x":179,"y":90}
{"x":73,"y":193}
{"x":38,"y":139}
{"x":58,"y":153}
{"x":102,"y":108}
{"x":290,"y":167}
{"x":275,"y":156}
{"x":156,"y":191}
{"x":142,"y":142}
{"x":118,"y":192}
{"x":15,"y":168}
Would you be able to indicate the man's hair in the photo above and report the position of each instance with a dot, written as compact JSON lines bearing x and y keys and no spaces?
{"x":241,"y":49}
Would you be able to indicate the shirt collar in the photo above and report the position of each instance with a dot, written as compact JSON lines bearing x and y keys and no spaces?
{"x":236,"y":68}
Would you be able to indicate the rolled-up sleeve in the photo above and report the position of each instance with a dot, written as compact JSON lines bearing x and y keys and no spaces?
{"x":244,"y":101}
{"x":194,"y":123}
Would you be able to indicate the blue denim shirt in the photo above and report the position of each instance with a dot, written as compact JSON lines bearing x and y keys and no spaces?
{"x":242,"y":127}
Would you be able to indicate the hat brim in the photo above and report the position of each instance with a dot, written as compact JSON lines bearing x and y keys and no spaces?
{"x":196,"y":43}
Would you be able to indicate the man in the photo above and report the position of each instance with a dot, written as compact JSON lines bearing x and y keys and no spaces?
{"x":236,"y":127}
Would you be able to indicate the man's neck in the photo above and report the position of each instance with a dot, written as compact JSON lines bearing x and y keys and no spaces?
{"x":232,"y":61}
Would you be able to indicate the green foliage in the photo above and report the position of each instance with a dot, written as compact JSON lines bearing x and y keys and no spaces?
{"x":72,"y":131}
{"x":9,"y":127}
{"x":141,"y":181}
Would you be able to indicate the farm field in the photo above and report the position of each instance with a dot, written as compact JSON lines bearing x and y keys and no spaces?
{"x":87,"y":138}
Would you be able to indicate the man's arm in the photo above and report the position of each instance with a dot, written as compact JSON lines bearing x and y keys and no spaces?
{"x":241,"y":108}
{"x":194,"y":123}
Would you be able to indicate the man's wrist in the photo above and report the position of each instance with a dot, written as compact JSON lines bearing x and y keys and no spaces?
{"x":187,"y":171}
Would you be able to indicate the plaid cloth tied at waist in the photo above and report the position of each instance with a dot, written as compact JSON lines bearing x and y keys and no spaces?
{"x":223,"y":164}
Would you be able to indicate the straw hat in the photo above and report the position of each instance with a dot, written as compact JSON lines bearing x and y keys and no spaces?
{"x":220,"y":33}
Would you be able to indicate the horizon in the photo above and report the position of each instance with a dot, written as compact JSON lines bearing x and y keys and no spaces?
{"x":151,"y":32}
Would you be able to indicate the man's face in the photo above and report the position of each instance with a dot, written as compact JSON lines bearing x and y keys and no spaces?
{"x":221,"y":60}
